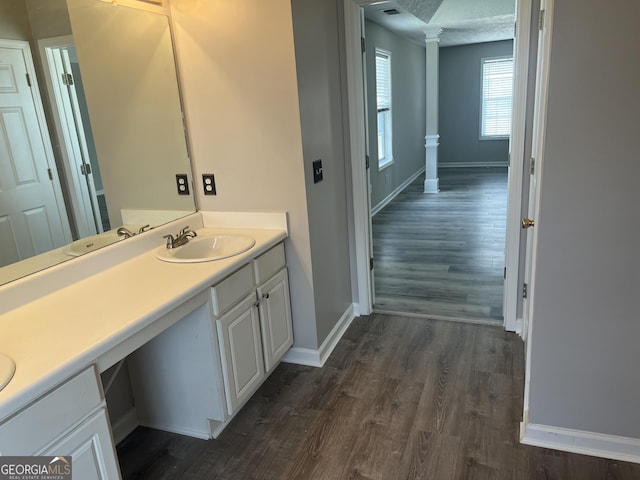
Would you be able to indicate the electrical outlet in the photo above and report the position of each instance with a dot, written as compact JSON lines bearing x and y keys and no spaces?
{"x":209,"y":183}
{"x":182,"y":182}
{"x":317,"y":171}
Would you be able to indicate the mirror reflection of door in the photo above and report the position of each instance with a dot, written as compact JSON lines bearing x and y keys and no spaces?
{"x":32,"y":211}
{"x":82,"y":175}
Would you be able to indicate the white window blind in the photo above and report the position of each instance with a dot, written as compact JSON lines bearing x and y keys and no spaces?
{"x":383,"y":80}
{"x":497,"y":97}
{"x":383,"y":100}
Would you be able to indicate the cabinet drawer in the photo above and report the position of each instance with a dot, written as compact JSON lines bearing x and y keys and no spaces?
{"x":268,"y":264}
{"x":232,"y":289}
{"x":46,"y":419}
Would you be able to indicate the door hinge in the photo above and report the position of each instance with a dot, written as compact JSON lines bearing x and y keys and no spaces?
{"x":525,"y":290}
{"x":540,"y":19}
{"x":85,"y":168}
{"x":28,"y":79}
{"x":504,"y":275}
{"x":67,"y":79}
{"x":371,"y":263}
{"x":50,"y":173}
{"x":366,"y":161}
{"x":532,"y":165}
{"x":363,"y":45}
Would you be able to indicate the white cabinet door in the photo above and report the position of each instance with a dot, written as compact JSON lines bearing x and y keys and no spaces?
{"x":91,"y":449}
{"x":275,"y":318}
{"x":241,"y":352}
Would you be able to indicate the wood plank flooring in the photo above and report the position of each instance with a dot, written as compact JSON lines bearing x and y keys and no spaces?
{"x":399,"y":398}
{"x":443,"y":254}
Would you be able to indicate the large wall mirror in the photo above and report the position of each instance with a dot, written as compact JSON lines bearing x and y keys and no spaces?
{"x":90,"y":151}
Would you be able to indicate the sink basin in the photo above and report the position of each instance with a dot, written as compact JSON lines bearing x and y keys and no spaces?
{"x":206,"y":249}
{"x":89,"y":244}
{"x":7,"y":369}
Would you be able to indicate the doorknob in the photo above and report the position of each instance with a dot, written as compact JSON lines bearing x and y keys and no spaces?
{"x":527,"y":223}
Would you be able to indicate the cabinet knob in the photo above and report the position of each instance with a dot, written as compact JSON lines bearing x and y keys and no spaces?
{"x":265,"y":295}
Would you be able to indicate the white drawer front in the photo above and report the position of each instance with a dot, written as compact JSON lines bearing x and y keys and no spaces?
{"x":232,"y":289}
{"x":269,"y":263}
{"x":46,"y":419}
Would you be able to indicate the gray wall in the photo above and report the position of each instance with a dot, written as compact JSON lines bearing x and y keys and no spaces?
{"x":459,"y":109}
{"x":316,"y":27}
{"x":586,"y":320}
{"x":408,"y":101}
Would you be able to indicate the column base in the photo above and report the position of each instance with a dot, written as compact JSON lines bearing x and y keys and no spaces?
{"x":432,"y":185}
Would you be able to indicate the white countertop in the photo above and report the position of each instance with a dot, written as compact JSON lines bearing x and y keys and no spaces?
{"x":57,"y":335}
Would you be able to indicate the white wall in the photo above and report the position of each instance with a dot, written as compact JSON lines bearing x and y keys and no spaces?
{"x":135,"y":114}
{"x":238,"y":72}
{"x":14,"y":20}
{"x":586,"y":318}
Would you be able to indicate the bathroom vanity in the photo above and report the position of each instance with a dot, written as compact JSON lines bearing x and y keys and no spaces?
{"x":200,"y":338}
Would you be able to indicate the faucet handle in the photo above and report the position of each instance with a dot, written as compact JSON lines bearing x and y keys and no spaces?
{"x":144,"y":228}
{"x":184,"y":230}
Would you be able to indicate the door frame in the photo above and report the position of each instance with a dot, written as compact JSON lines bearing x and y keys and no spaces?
{"x":359,"y":173}
{"x":72,"y":144}
{"x":358,"y":146}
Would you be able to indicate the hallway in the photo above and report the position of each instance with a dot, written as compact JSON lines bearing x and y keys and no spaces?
{"x":442,"y":255}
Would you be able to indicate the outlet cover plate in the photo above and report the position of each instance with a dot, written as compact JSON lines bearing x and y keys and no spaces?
{"x":182,"y":183}
{"x":209,"y":183}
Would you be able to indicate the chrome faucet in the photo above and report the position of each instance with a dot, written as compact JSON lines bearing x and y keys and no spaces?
{"x":124,"y":232}
{"x":183,"y":237}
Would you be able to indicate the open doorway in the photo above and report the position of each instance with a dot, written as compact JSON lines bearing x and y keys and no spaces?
{"x":439,"y":253}
{"x":502,"y":181}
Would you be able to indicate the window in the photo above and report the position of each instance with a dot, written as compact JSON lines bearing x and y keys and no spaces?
{"x":497,"y":94}
{"x":383,"y":100}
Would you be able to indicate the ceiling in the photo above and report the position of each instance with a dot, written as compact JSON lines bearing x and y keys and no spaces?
{"x":462,"y":21}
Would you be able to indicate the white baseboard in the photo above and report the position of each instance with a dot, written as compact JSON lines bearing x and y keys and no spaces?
{"x":472,"y":164}
{"x":317,"y":358}
{"x":189,"y":432}
{"x":126,"y":424}
{"x":577,"y":441}
{"x":396,"y":192}
{"x":432,"y":185}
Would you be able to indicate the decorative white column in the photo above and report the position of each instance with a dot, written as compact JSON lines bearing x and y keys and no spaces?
{"x":432,"y":39}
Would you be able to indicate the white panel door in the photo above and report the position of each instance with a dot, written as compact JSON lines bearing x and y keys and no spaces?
{"x":91,"y":449}
{"x":241,"y":352}
{"x":275,"y":318}
{"x":32,"y":218}
{"x":539,"y":127}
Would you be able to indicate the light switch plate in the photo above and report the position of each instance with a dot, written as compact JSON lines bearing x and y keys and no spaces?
{"x":317,"y":171}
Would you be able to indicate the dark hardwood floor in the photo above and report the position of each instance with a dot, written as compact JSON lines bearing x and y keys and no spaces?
{"x":399,"y":398}
{"x":442,"y":254}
